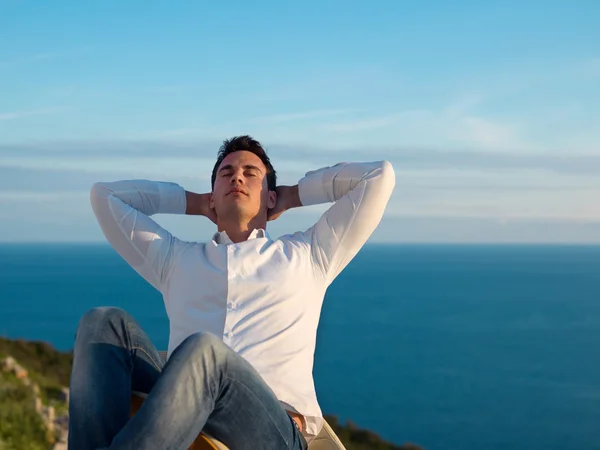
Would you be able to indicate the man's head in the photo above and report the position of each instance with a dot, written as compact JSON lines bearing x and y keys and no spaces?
{"x":243,"y":181}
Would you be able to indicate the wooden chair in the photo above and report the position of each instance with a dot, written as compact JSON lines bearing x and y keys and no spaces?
{"x":326,"y":440}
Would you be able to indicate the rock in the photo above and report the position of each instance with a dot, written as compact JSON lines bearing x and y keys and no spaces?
{"x":62,"y":422}
{"x":20,"y":372}
{"x":8,"y":364}
{"x":50,"y":417}
{"x":64,"y":395}
{"x":62,"y":427}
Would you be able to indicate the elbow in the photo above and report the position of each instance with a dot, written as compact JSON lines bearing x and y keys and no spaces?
{"x":96,"y":192}
{"x":388,"y":173}
{"x":99,"y":191}
{"x":386,"y":167}
{"x":381,"y":173}
{"x":382,"y":177}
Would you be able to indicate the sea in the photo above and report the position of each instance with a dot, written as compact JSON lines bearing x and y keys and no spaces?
{"x":470,"y":347}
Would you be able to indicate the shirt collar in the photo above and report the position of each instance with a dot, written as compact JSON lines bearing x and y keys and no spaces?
{"x":223,"y":239}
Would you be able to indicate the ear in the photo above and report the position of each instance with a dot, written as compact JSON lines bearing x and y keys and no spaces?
{"x":272,"y":201}
{"x":211,"y":203}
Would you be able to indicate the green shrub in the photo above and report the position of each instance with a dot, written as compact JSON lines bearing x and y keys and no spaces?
{"x":20,"y":425}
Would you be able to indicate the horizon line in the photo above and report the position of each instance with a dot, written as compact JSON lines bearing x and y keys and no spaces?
{"x":368,"y":244}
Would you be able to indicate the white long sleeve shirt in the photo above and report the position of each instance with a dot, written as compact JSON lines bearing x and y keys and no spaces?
{"x":262,"y":296}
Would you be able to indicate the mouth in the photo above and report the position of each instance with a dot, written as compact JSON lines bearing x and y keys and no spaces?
{"x":236,"y":191}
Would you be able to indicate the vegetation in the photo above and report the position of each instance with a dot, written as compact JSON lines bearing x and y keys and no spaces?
{"x":40,"y":358}
{"x":355,"y":438}
{"x":47,"y":367}
{"x":22,"y":428}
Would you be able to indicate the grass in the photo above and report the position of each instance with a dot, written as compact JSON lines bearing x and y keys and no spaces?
{"x":20,"y":425}
{"x":40,"y":358}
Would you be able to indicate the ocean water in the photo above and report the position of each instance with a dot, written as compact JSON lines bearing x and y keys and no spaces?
{"x":451,"y":347}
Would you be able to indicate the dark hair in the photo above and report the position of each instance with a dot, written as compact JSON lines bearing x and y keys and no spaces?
{"x":248,"y":144}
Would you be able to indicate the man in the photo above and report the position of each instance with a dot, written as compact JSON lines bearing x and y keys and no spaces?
{"x":243,"y":308}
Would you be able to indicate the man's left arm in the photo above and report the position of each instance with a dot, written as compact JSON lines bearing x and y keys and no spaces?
{"x":360,"y":192}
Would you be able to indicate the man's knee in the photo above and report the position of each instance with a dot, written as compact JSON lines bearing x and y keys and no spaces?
{"x":97,"y":323}
{"x":204,"y":343}
{"x":102,"y":315}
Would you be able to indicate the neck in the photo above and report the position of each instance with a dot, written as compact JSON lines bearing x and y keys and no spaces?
{"x":240,"y":231}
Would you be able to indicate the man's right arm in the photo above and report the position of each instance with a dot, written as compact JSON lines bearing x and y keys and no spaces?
{"x":123,"y":210}
{"x":360,"y":192}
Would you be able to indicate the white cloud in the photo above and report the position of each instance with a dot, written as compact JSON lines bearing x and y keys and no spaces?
{"x":44,"y":196}
{"x":43,"y":56}
{"x":252,"y":123}
{"x":369,"y":123}
{"x":484,"y":133}
{"x":443,"y":192}
{"x":34,"y":112}
{"x":588,"y":69}
{"x":302,"y":115}
{"x":197,"y":170}
{"x":450,"y":126}
{"x":573,"y":205}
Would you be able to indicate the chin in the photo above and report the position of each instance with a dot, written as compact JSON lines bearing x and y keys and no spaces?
{"x":235,"y":211}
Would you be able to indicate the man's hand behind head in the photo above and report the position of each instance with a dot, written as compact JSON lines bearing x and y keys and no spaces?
{"x":287,"y":198}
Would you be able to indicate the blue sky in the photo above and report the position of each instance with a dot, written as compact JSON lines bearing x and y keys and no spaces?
{"x":489,"y":111}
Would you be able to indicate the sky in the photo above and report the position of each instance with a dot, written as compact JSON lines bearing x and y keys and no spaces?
{"x":488,"y":111}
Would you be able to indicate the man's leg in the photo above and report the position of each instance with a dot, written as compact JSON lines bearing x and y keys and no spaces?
{"x":207,"y":386}
{"x":112,"y":356}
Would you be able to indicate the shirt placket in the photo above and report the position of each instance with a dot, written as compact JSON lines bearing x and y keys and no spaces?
{"x":232,"y":278}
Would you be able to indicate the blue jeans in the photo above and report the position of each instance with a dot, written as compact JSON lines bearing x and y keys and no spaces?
{"x":204,"y":386}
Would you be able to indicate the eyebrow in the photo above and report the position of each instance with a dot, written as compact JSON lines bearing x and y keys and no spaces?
{"x":246,"y":167}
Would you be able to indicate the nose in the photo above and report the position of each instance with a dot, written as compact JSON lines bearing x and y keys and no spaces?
{"x":236,"y":178}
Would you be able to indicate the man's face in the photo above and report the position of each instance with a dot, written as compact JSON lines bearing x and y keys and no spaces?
{"x":240,"y":190}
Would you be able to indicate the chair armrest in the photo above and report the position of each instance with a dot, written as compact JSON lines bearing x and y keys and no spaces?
{"x":326,"y":440}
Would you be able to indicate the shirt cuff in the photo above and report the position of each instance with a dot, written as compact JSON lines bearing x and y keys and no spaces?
{"x":310,"y":189}
{"x":172,"y":199}
{"x":317,"y":186}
